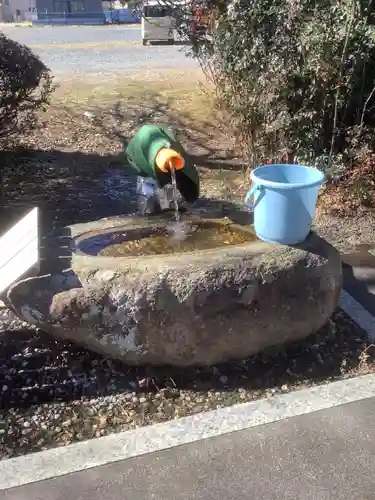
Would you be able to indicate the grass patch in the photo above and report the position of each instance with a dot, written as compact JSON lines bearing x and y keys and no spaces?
{"x":185,"y":93}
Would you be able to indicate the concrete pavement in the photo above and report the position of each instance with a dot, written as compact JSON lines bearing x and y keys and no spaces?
{"x":325,"y":455}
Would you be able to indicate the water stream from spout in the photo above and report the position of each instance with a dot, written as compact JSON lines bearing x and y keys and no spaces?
{"x":178,"y":229}
{"x":175,"y":193}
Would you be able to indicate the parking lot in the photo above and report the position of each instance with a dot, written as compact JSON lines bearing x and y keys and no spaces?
{"x":96,"y":50}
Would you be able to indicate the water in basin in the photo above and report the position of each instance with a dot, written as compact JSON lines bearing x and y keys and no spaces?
{"x":156,"y":241}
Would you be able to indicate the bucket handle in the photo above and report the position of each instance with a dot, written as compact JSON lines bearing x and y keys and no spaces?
{"x":250,"y":200}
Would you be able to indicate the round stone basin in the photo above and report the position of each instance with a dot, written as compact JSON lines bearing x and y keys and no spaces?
{"x":192,"y":236}
{"x":221,"y":295}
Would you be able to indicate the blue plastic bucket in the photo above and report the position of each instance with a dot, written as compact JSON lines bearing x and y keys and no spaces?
{"x":283,"y":198}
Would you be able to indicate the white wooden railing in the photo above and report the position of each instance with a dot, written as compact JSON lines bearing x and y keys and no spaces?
{"x":19,"y":249}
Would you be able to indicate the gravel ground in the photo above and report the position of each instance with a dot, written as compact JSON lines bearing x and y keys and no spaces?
{"x":52,"y":393}
{"x":99,"y":50}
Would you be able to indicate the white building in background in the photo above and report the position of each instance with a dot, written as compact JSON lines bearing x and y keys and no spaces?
{"x":17,"y":10}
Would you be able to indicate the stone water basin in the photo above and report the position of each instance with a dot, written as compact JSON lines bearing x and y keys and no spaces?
{"x":219,"y":295}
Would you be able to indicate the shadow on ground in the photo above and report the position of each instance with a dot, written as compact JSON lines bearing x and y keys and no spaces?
{"x":35,"y":369}
{"x":175,"y":42}
{"x":69,"y":187}
{"x":81,"y":181}
{"x":76,"y":187}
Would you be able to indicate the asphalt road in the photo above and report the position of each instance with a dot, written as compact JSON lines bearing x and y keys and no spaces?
{"x":98,"y":49}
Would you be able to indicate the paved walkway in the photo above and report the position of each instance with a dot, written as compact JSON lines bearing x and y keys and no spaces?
{"x":359,"y":277}
{"x":325,"y":455}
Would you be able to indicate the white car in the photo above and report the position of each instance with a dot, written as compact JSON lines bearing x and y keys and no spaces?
{"x":157,"y":23}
